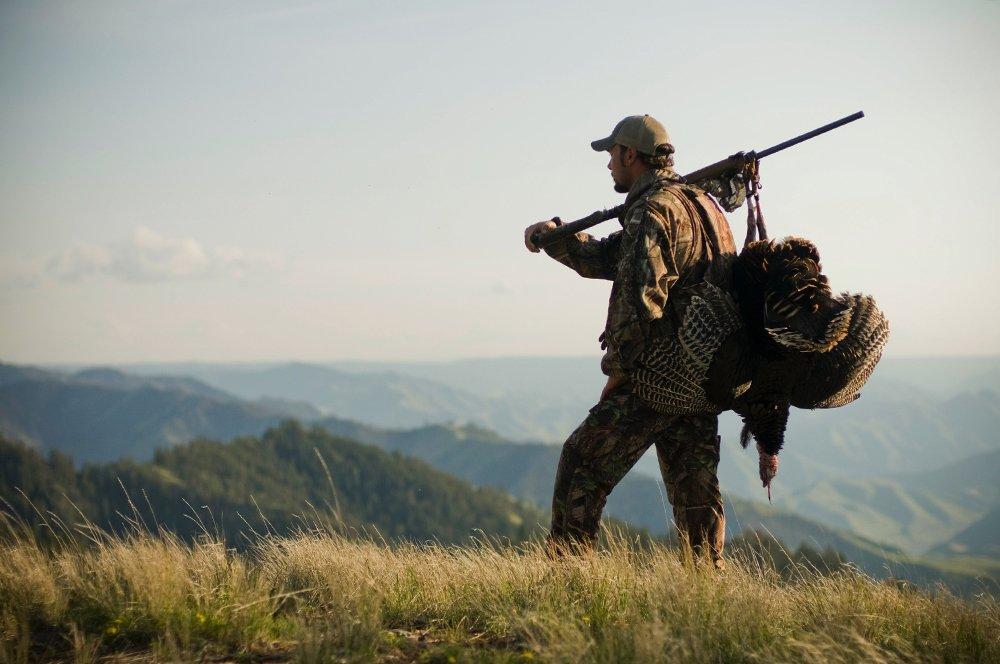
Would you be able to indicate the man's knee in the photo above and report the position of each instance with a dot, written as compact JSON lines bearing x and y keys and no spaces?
{"x":691,"y":475}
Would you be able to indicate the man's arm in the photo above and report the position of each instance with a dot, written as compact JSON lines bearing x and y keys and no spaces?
{"x":589,"y":257}
{"x":646,"y":274}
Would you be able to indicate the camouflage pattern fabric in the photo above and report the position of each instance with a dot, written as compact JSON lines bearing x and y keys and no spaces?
{"x":616,"y":433}
{"x":673,"y":234}
{"x":730,"y":192}
{"x":589,"y":257}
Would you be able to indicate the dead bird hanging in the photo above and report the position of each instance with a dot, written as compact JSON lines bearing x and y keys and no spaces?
{"x":778,"y":337}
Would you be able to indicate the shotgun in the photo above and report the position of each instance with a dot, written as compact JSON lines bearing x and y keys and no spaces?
{"x":730,"y":165}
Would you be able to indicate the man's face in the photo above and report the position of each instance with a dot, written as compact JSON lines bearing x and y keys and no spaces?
{"x":619,"y":172}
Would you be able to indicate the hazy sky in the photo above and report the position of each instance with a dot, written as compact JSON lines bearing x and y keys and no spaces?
{"x":317,"y":181}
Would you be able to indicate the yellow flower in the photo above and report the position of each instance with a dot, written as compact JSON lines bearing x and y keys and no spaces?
{"x":586,"y":620}
{"x":112,"y":630}
{"x":200,"y":617}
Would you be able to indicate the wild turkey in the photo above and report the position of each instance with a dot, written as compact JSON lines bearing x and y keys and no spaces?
{"x":781,"y":339}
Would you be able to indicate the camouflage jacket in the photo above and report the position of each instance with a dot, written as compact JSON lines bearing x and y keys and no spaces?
{"x":673,"y":236}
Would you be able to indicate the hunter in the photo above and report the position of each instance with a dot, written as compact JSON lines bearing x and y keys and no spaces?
{"x":673,"y":236}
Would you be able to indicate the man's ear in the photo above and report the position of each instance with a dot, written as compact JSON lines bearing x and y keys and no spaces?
{"x":629,"y":155}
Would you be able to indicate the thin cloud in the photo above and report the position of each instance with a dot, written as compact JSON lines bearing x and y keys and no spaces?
{"x":18,"y":275}
{"x":501,"y":287}
{"x":148,"y":256}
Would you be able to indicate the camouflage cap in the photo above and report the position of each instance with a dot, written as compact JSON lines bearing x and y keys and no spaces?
{"x":642,"y":132}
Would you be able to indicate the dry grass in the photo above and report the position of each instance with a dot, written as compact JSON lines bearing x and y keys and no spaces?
{"x":319,"y":596}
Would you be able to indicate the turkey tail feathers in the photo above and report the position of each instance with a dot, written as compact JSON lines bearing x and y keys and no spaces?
{"x":835,"y":378}
{"x":834,"y":333}
{"x":789,"y":298}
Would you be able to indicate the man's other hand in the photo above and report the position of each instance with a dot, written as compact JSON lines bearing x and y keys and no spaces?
{"x":614,"y":382}
{"x":541,"y":228}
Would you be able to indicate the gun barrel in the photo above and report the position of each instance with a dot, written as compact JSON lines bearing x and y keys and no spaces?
{"x":810,"y":134}
{"x":735,"y":162}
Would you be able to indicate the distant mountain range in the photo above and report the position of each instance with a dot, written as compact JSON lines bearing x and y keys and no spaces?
{"x":851,"y":469}
{"x":914,"y":511}
{"x":914,"y":415}
{"x":104,"y":414}
{"x":903,"y":423}
{"x":581,"y":378}
{"x":391,"y":398}
{"x":876,"y":436}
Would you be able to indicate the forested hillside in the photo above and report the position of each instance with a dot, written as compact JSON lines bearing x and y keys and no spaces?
{"x":270,"y":482}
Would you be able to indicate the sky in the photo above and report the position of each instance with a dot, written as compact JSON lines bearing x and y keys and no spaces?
{"x":247,"y":181}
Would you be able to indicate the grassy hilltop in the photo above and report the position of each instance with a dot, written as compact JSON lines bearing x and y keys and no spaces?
{"x":318,"y":596}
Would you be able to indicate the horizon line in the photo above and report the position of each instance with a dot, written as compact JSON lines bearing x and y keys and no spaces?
{"x":456,"y":360}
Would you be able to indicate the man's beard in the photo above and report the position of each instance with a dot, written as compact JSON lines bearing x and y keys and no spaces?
{"x":621,"y":189}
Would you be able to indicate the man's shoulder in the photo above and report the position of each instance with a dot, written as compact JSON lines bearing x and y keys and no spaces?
{"x":673,"y":191}
{"x":667,"y":199}
{"x":680,"y":207}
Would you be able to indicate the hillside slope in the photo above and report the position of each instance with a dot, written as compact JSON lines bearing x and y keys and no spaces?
{"x":917,"y":511}
{"x":98,"y":423}
{"x":262,"y":483}
{"x":980,"y":540}
{"x":104,"y":414}
{"x":528,"y":471}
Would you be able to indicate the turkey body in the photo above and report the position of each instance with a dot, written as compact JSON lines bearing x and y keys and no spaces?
{"x":779,"y":339}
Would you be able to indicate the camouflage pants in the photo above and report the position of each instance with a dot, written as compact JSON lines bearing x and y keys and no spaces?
{"x":618,"y":431}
